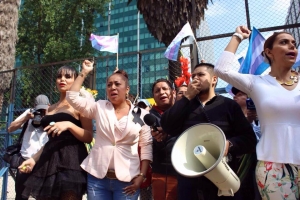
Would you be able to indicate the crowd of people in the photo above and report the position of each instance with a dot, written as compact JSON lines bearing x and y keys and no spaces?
{"x":128,"y":152}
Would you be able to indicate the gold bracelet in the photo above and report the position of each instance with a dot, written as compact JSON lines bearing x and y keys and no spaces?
{"x":82,"y":75}
{"x":141,"y":174}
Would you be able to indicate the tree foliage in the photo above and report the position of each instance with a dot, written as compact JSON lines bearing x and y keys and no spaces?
{"x":56,"y":30}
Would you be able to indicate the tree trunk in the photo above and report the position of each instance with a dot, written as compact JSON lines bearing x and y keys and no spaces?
{"x":8,"y":38}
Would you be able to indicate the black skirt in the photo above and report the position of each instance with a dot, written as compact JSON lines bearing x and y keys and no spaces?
{"x":58,"y":170}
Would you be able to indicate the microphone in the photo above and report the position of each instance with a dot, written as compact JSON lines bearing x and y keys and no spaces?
{"x":150,"y":120}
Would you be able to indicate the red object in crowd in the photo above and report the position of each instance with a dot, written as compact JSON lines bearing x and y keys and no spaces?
{"x":185,"y":74}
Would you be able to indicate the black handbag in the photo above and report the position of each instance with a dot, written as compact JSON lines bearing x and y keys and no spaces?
{"x":12,"y":153}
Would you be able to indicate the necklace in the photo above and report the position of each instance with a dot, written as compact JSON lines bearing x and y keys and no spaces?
{"x":293,"y":79}
{"x":118,"y":110}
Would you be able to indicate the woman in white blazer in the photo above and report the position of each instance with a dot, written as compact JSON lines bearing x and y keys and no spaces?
{"x":113,"y":166}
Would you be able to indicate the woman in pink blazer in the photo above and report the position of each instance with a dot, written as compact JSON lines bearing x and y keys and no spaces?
{"x":113,"y":166}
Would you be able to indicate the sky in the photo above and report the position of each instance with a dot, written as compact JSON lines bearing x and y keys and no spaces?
{"x":223,"y":16}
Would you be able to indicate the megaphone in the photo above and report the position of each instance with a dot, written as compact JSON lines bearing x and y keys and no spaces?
{"x":199,"y":151}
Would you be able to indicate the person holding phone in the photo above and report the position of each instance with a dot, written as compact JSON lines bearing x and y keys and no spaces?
{"x":33,"y":140}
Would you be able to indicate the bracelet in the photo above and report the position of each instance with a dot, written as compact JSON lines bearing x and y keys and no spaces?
{"x":141,"y":174}
{"x":239,"y":36}
{"x":82,"y":75}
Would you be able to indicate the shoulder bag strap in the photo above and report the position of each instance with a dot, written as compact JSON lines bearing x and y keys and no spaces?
{"x":22,"y":132}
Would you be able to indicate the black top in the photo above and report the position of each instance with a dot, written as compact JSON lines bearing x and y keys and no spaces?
{"x":221,"y":111}
{"x":58,"y":169}
{"x":162,"y":151}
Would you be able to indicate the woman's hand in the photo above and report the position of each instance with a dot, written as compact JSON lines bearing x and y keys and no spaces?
{"x":57,"y":128}
{"x":27,"y":166}
{"x":87,"y":66}
{"x":136,"y":183}
{"x":244,"y":31}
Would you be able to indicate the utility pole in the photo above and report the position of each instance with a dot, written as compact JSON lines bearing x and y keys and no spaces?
{"x":108,"y":33}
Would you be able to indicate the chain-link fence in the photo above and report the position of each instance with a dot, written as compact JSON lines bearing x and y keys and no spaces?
{"x":20,"y":86}
{"x":18,"y":94}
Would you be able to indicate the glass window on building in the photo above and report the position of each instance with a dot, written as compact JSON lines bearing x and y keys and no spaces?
{"x":134,"y":81}
{"x":146,"y":68}
{"x":152,"y":68}
{"x":129,"y":70}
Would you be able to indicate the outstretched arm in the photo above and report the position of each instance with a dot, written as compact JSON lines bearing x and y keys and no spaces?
{"x":243,"y":82}
{"x":20,"y":121}
{"x":87,"y":67}
{"x":85,"y":106}
{"x":241,"y":31}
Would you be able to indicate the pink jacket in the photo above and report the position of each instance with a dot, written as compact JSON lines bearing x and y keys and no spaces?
{"x":124,"y":150}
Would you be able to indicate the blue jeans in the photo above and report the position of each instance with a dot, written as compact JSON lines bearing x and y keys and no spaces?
{"x":108,"y":189}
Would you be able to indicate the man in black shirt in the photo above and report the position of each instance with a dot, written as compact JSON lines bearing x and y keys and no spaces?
{"x":200,"y":104}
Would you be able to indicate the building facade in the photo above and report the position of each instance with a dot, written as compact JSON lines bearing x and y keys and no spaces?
{"x":140,"y":54}
{"x":293,"y":17}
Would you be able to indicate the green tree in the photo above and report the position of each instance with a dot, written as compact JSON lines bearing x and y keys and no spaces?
{"x":56,"y":30}
{"x":8,"y":38}
{"x":51,"y":31}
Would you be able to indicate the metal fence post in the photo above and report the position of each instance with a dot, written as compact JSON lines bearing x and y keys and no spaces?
{"x":10,"y":114}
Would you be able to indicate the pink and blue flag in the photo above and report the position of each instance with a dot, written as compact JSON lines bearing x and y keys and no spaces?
{"x":105,"y":43}
{"x":172,"y":50}
{"x":254,"y":61}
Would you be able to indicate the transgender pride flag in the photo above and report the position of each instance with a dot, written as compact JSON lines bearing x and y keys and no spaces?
{"x":172,"y":50}
{"x":254,"y":61}
{"x":105,"y":43}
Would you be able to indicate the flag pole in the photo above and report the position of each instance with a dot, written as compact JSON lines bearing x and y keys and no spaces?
{"x":198,"y":49}
{"x":117,"y":67}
